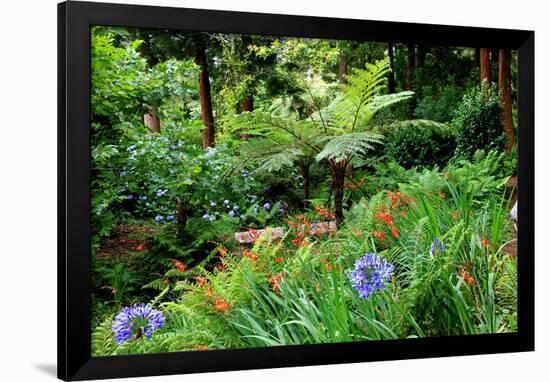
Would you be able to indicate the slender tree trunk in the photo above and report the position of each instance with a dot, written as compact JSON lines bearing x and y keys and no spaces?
{"x":342,"y":68}
{"x":485,"y":68}
{"x":410,"y":66}
{"x":504,"y":86}
{"x":391,"y":80}
{"x":247,"y":103}
{"x":205,"y":99}
{"x":305,"y":174}
{"x":420,"y":55}
{"x":151,"y":120}
{"x":338,"y":173}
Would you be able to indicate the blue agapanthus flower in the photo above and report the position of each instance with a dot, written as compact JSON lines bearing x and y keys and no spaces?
{"x":231,"y":213}
{"x":370,"y":273}
{"x":137,"y":321}
{"x":437,"y":247}
{"x":169,"y":218}
{"x":206,"y":217}
{"x":159,"y":218}
{"x":129,"y":196}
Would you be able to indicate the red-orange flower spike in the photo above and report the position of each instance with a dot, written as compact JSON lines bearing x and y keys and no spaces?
{"x":279,"y":259}
{"x":221,"y":305}
{"x":395,"y":233}
{"x":250,"y":255}
{"x":291,"y":223}
{"x":180,"y":266}
{"x":379,"y":235}
{"x":274,"y":280}
{"x":486,"y":244}
{"x":456,"y":215}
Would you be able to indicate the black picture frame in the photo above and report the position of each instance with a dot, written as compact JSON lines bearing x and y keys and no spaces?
{"x":74,"y":272}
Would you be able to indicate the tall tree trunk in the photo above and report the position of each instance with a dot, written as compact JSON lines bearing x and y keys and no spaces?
{"x":247,"y":103}
{"x":205,"y":99}
{"x":410,"y":66}
{"x":342,"y":68}
{"x":420,"y":55}
{"x":505,"y":90}
{"x":485,"y":68}
{"x":338,"y":174}
{"x":151,"y":120}
{"x":391,"y":80}
{"x":304,"y":168}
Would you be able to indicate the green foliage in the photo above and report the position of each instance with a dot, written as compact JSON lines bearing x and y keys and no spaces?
{"x":478,"y":123}
{"x":420,"y":143}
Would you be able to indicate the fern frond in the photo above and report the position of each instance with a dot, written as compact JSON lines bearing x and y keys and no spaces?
{"x":344,"y":147}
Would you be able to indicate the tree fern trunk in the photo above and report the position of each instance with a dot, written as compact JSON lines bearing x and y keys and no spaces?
{"x":338,"y":173}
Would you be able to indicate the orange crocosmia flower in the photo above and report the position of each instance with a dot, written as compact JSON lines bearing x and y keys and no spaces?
{"x":180,"y":266}
{"x":291,"y":223}
{"x":300,"y":217}
{"x":221,"y":305}
{"x":466,"y":276}
{"x":250,"y":255}
{"x":379,"y":235}
{"x":395,"y":233}
{"x":329,"y":267}
{"x":274,"y":280}
{"x":441,"y":195}
{"x":209,"y":292}
{"x":456,"y":215}
{"x":279,"y":259}
{"x":201,"y":281}
{"x":486,"y":244}
{"x":358,"y":233}
{"x":222,"y":251}
{"x":201,"y":347}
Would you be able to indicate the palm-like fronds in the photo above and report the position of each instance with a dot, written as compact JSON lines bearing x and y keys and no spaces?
{"x":344,"y":147}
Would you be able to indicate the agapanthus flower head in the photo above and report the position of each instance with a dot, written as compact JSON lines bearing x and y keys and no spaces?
{"x":159,"y":218}
{"x":169,"y":218}
{"x":136,"y":321}
{"x":437,"y":247}
{"x":370,"y":273}
{"x":206,"y":217}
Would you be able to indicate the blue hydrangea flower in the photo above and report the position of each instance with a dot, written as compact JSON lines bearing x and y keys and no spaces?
{"x":212,"y":204}
{"x":370,"y":273}
{"x":231,"y":213}
{"x":206,"y":217}
{"x":159,"y":218}
{"x":236,"y":207}
{"x":143,"y":197}
{"x":437,"y":247}
{"x":129,"y":196}
{"x":169,"y":218}
{"x":267,"y":206}
{"x":226,"y":203}
{"x":137,"y":321}
{"x":161,"y":192}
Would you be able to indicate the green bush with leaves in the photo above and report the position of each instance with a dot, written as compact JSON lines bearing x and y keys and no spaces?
{"x":420,"y":144}
{"x":478,"y":123}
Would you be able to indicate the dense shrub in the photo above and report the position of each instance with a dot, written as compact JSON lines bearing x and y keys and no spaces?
{"x":420,"y":145}
{"x":478,"y":123}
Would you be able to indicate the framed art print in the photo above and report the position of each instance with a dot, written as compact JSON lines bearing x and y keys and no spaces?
{"x":243,"y":190}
